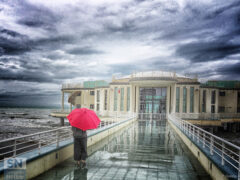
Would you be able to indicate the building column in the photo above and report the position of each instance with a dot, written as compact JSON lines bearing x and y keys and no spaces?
{"x":132,"y":99}
{"x":62,"y":121}
{"x":167,"y":100}
{"x":188,"y":99}
{"x":215,"y":130}
{"x":216,"y":100}
{"x":62,"y":100}
{"x":211,"y":130}
{"x":70,"y":107}
{"x":199,"y":100}
{"x":234,"y":128}
{"x":137,"y":99}
{"x":174,"y":98}
{"x":208,"y":100}
{"x":180,"y":99}
{"x":196,"y":99}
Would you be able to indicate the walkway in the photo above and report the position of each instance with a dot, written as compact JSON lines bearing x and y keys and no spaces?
{"x":143,"y":151}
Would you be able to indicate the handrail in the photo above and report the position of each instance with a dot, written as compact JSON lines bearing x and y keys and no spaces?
{"x":29,"y":135}
{"x":220,"y":139}
{"x":207,"y":116}
{"x":219,"y":147}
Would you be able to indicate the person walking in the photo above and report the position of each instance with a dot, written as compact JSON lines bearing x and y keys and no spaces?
{"x":80,"y":146}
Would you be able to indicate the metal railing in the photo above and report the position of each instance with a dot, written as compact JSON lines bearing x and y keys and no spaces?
{"x":16,"y":146}
{"x":153,"y":74}
{"x":72,"y":85}
{"x":152,"y":116}
{"x":60,"y":111}
{"x":223,"y":152}
{"x":207,"y":116}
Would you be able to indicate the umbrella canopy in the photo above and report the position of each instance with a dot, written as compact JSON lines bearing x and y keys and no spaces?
{"x":83,"y":119}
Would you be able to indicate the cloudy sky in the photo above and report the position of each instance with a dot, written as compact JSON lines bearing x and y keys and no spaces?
{"x":46,"y":43}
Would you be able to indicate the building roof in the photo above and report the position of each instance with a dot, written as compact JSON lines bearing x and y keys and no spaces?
{"x":154,"y":75}
{"x":95,"y":84}
{"x":222,"y":84}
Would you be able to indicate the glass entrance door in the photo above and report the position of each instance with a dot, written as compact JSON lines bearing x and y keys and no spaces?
{"x":152,"y":102}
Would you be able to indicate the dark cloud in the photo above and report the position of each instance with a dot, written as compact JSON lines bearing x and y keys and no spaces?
{"x":13,"y":43}
{"x":231,"y":70}
{"x":84,"y":51}
{"x":27,"y":76}
{"x":53,"y":42}
{"x":207,"y":51}
{"x":222,"y":9}
{"x":33,"y":15}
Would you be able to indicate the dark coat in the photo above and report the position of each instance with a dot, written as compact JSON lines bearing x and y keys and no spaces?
{"x":78,"y":133}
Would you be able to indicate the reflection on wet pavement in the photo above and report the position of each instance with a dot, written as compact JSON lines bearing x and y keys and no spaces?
{"x":146,"y":150}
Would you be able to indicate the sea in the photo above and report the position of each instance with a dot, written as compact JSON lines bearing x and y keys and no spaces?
{"x":22,"y":121}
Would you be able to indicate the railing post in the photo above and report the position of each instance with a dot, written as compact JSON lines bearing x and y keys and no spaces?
{"x":223,"y":149}
{"x":198,"y":134}
{"x":184,"y":125}
{"x":211,"y":145}
{"x":193,"y":133}
{"x":15,"y":148}
{"x":57,"y":138}
{"x":39,"y":146}
{"x":180,"y":124}
{"x":239,"y":165}
{"x":186,"y":128}
{"x":203,"y":140}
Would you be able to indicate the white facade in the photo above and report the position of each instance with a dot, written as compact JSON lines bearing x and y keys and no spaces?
{"x":157,"y":92}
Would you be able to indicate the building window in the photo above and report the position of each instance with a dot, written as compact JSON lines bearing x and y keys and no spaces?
{"x":177,"y":99}
{"x":78,"y":106}
{"x":79,"y":93}
{"x":191,"y":99}
{"x":105,"y":100}
{"x":152,"y":100}
{"x":221,"y":109}
{"x":92,"y":93}
{"x":184,"y":100}
{"x":221,"y":93}
{"x":204,"y":101}
{"x":91,"y":106}
{"x":128,"y":99}
{"x":115,"y":98}
{"x":213,"y":97}
{"x":98,"y":95}
{"x":98,"y":107}
{"x":212,"y":108}
{"x":122,"y":99}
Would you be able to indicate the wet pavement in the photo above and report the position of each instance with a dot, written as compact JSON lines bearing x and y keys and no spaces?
{"x":146,"y":150}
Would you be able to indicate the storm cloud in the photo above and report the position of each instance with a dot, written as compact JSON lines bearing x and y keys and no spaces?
{"x":46,"y":44}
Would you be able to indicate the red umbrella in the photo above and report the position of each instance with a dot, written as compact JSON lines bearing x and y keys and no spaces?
{"x":83,"y":119}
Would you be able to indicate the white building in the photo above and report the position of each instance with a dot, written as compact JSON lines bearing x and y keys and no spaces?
{"x":156,"y":93}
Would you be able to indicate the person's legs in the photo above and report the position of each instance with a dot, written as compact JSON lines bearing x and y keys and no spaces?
{"x":83,"y":151}
{"x":77,"y":150}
